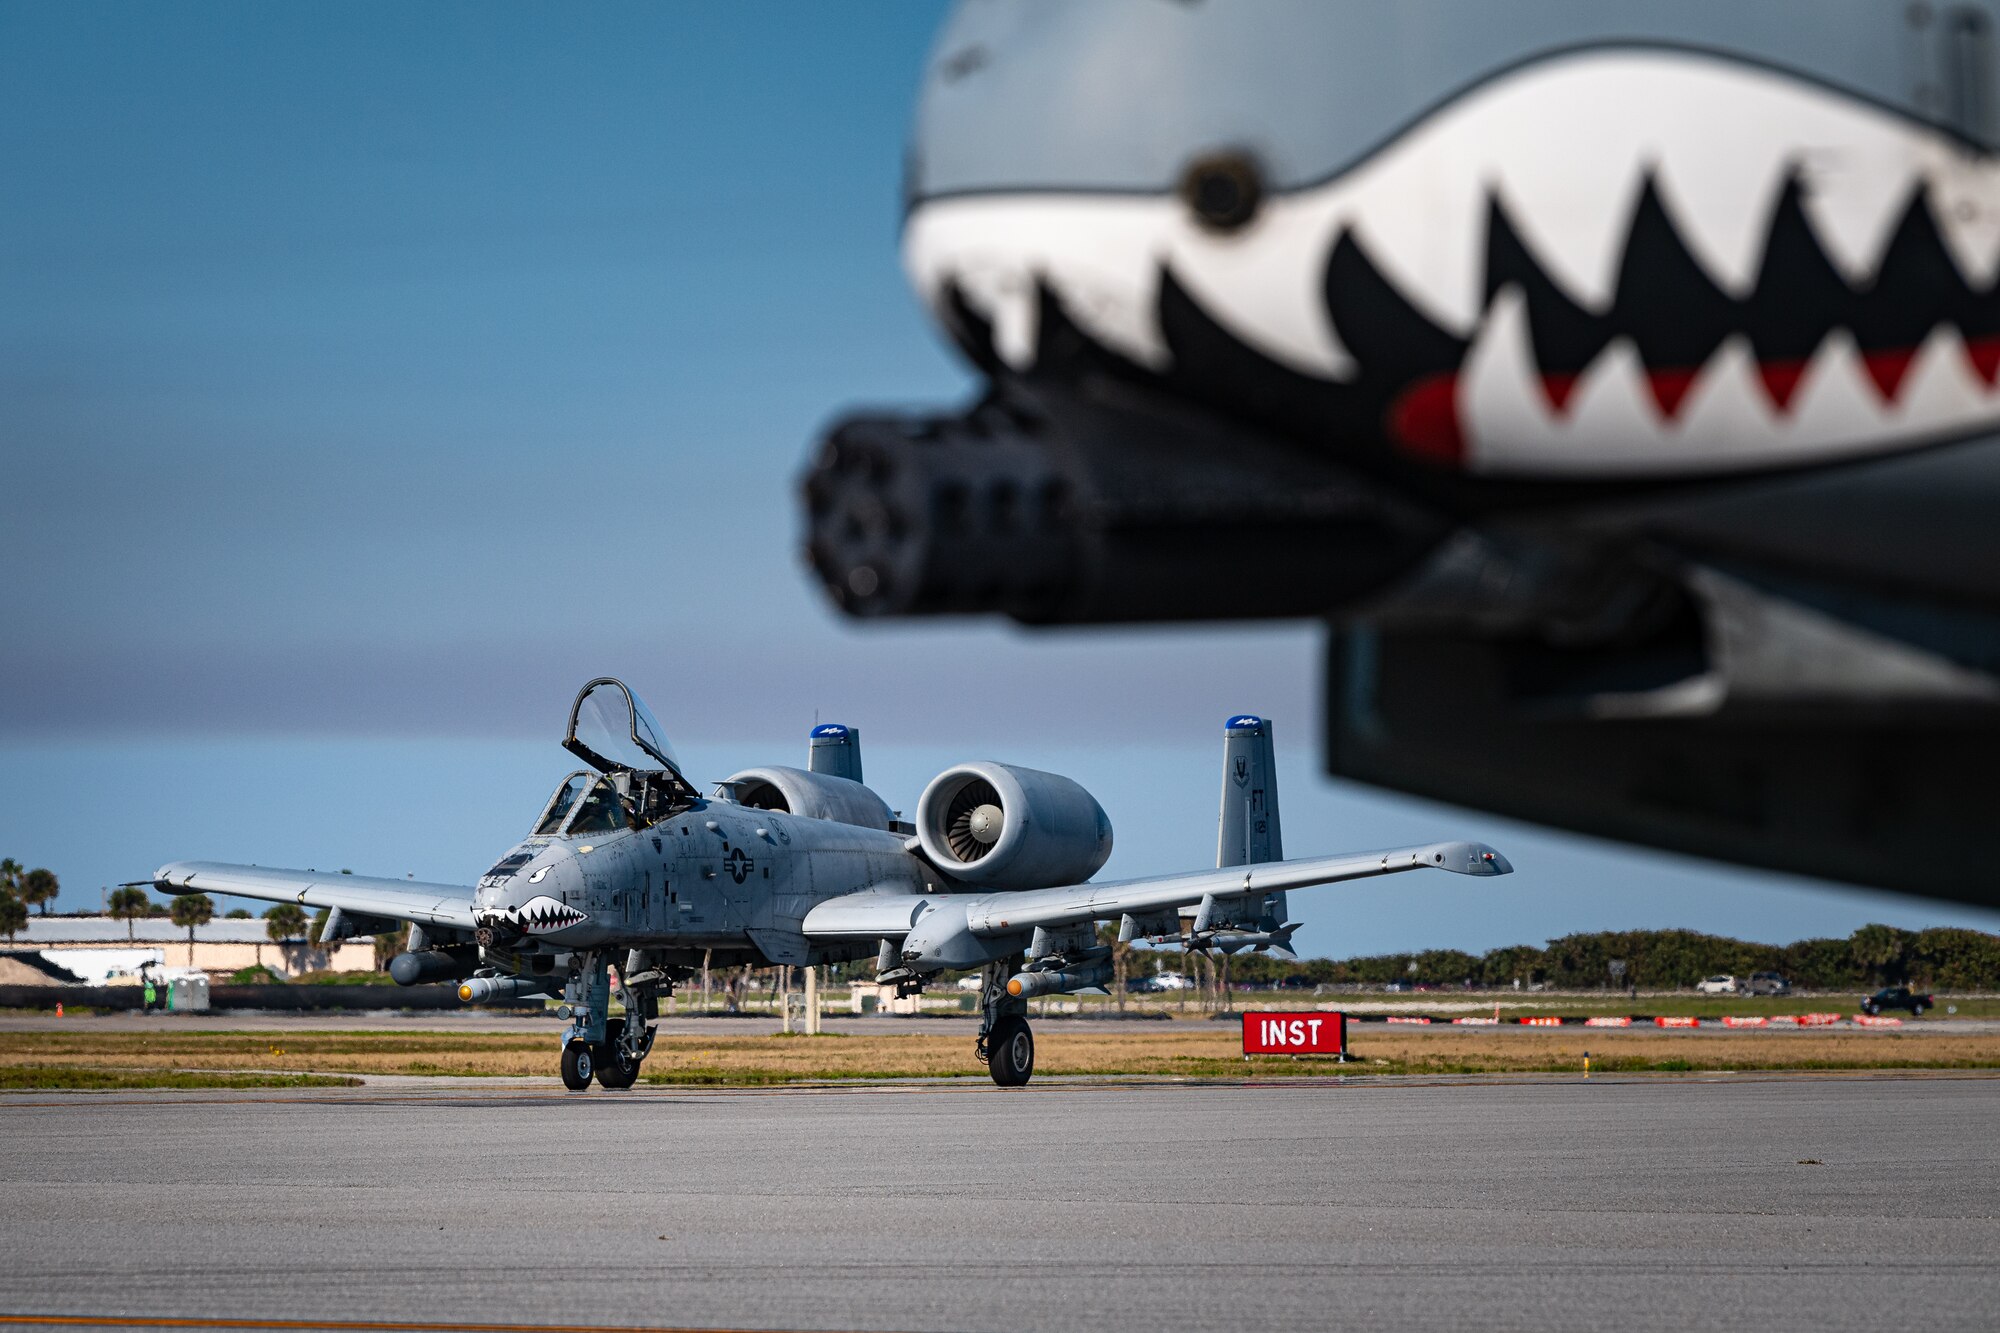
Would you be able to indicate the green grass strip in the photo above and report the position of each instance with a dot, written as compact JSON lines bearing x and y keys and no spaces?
{"x":63,"y":1077}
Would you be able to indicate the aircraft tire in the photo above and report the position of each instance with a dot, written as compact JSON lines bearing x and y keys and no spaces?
{"x":577,"y":1066}
{"x":613,"y":1072}
{"x":1010,"y":1052}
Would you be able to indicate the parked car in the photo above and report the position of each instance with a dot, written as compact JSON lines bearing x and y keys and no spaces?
{"x":1173,"y":981}
{"x":1769,"y":983}
{"x":1897,"y":997}
{"x":1724,"y":985}
{"x":971,"y":983}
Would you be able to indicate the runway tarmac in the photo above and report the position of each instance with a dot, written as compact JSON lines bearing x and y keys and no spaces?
{"x":1836,"y":1203}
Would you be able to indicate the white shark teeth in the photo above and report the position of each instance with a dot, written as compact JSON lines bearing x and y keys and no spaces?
{"x":1565,"y":145}
{"x":1965,"y":199}
{"x":542,"y":913}
{"x":1102,"y":257}
{"x":1262,"y":285}
{"x":1622,"y":418}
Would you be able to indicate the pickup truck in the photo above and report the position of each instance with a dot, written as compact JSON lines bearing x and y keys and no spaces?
{"x":1897,"y":997}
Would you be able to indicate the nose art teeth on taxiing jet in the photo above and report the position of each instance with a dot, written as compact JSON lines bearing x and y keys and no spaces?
{"x":543,"y":913}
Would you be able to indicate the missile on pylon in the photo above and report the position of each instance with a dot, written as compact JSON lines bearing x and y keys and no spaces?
{"x":1027,"y":985}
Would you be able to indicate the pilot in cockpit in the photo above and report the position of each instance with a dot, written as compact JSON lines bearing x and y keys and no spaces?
{"x":603,"y":811}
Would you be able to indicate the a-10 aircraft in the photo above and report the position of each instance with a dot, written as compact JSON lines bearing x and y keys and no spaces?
{"x":630,"y":876}
{"x":1618,"y":379}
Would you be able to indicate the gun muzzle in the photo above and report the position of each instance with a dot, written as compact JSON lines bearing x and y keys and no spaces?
{"x":1054,"y":507}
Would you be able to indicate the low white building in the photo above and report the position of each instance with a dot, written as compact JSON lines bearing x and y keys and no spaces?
{"x":103,"y":947}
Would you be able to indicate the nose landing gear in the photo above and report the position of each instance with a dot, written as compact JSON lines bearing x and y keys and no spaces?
{"x":609,"y":1050}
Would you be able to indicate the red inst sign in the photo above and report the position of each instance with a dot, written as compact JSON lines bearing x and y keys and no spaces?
{"x":1314,"y":1032}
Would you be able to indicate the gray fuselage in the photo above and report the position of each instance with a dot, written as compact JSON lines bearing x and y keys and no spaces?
{"x":717,"y":877}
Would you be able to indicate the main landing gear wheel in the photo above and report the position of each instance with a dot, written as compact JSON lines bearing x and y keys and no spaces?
{"x":615,"y":1069}
{"x":577,"y":1066}
{"x":1010,"y":1051}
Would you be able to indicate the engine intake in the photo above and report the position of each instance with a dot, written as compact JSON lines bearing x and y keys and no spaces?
{"x":1012,"y":828}
{"x":811,"y":795}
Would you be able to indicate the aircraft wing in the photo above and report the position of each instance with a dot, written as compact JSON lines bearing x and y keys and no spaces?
{"x":357,"y":895}
{"x":1004,"y":913}
{"x":869,"y":914}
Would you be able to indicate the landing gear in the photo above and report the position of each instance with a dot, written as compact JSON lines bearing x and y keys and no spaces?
{"x":1010,"y":1051}
{"x":616,"y":1066}
{"x":1005,"y":1043}
{"x":577,"y":1065}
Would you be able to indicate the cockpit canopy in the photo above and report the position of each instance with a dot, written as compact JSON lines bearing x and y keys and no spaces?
{"x":610,"y":728}
{"x":638,"y":780}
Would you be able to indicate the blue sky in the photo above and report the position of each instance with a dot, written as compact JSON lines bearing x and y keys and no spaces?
{"x":372,"y":375}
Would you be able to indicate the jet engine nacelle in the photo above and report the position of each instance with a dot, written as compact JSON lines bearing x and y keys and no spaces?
{"x":1012,"y":828}
{"x":811,"y":795}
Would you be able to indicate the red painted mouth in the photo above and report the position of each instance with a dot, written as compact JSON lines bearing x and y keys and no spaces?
{"x":1425,"y":419}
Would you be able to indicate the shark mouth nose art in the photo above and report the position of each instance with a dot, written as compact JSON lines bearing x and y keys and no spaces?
{"x":542,"y":914}
{"x":1617,"y":262}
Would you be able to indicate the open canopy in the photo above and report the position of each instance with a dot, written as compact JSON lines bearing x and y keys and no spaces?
{"x":612,"y":730}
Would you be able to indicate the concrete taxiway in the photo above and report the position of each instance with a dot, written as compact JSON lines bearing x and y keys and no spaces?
{"x":1837,"y":1203}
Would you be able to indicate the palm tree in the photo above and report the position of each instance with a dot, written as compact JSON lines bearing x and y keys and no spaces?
{"x":13,"y":914}
{"x":128,"y":905}
{"x":39,"y":888}
{"x":1881,"y":950}
{"x":10,"y":875}
{"x":284,"y":923}
{"x":191,"y":910}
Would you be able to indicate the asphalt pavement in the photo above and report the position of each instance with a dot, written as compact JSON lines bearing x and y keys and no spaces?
{"x":1825,"y":1203}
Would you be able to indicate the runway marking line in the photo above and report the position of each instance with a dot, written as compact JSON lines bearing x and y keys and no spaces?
{"x":341,"y":1325}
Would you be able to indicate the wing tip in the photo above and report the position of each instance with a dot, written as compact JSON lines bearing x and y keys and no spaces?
{"x":1467,"y":858}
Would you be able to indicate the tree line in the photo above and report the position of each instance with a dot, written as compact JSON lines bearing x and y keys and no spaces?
{"x":1941,"y":958}
{"x":21,"y":889}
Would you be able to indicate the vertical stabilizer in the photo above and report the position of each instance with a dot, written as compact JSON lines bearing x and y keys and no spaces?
{"x":835,"y":750}
{"x":1248,"y":832}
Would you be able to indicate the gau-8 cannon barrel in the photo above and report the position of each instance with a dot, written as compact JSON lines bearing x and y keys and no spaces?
{"x":1054,"y":508}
